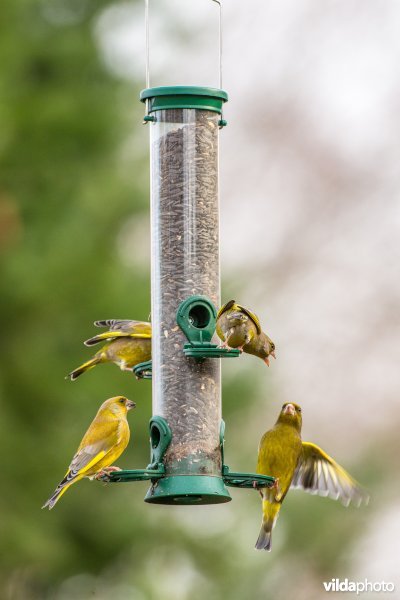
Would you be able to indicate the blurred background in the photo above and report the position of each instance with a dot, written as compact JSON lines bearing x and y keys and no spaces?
{"x":310,"y":241}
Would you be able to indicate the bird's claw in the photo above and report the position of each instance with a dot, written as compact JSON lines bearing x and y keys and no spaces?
{"x":103,"y":475}
{"x":276,"y":486}
{"x":258,"y":489}
{"x":224,"y":345}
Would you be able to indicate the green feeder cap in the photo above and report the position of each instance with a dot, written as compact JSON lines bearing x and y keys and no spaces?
{"x":182,"y":96}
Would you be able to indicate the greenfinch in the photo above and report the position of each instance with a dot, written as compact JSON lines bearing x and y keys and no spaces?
{"x":240,"y":328}
{"x":128,"y":343}
{"x":301,"y":465}
{"x":104,"y":442}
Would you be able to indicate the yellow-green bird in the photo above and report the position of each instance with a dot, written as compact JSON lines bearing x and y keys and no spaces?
{"x":240,"y":328}
{"x":297,"y":464}
{"x":104,"y":442}
{"x":128,"y":343}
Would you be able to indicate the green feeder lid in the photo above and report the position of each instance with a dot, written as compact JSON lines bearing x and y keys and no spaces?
{"x":182,"y":96}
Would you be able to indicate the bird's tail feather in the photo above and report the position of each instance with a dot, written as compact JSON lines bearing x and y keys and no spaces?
{"x":85,"y":367}
{"x":270,"y":515}
{"x":233,"y":316}
{"x":264,"y":539}
{"x":105,"y":323}
{"x":62,"y":487}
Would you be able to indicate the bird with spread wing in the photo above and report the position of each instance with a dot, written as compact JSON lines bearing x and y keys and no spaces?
{"x":300,"y":465}
{"x":240,"y":328}
{"x":104,"y":442}
{"x":127,"y":343}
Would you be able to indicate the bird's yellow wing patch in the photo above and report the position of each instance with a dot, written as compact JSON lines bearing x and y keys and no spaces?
{"x":87,"y":458}
{"x":101,"y":437}
{"x":113,"y":335}
{"x":318,"y":473}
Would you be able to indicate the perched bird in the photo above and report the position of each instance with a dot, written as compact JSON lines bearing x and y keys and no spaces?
{"x":239,"y":328}
{"x":297,"y":464}
{"x":104,"y":442}
{"x":128,"y":343}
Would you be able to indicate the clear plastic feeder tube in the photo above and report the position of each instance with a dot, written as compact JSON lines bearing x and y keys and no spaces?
{"x":185,"y":262}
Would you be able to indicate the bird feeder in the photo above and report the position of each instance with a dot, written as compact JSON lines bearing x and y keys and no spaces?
{"x":185,"y":269}
{"x":186,"y":431}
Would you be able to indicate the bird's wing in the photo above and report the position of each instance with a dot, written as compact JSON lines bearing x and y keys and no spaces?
{"x":118,"y":329}
{"x":253,"y":317}
{"x":225,"y":307}
{"x":318,"y":473}
{"x":125,"y":325}
{"x":113,"y":335}
{"x":99,"y":439}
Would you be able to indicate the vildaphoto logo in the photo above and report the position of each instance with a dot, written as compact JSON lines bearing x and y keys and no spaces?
{"x":359,"y":587}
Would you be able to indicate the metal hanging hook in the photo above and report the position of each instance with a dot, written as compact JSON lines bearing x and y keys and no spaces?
{"x":147,"y":29}
{"x":148,"y":118}
{"x":220,"y":41}
{"x":222,"y":122}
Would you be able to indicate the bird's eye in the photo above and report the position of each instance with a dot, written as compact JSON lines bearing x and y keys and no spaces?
{"x":298,"y":409}
{"x":122,"y":401}
{"x":272,"y":347}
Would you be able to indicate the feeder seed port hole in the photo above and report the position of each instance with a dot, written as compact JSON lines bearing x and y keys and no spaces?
{"x":199,"y":316}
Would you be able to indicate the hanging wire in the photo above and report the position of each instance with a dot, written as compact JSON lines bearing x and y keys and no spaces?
{"x":222,"y":121}
{"x":220,"y":41}
{"x":147,"y":29}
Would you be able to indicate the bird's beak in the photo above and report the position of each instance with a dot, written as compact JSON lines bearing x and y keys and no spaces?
{"x":130,"y":404}
{"x":272,"y":354}
{"x":266,"y":360}
{"x":289,"y":410}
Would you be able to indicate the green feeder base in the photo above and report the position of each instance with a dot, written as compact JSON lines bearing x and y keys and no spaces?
{"x":188,"y":489}
{"x":184,"y":489}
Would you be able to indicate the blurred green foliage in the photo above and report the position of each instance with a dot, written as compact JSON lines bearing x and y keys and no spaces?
{"x":63,"y":200}
{"x":66,"y":193}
